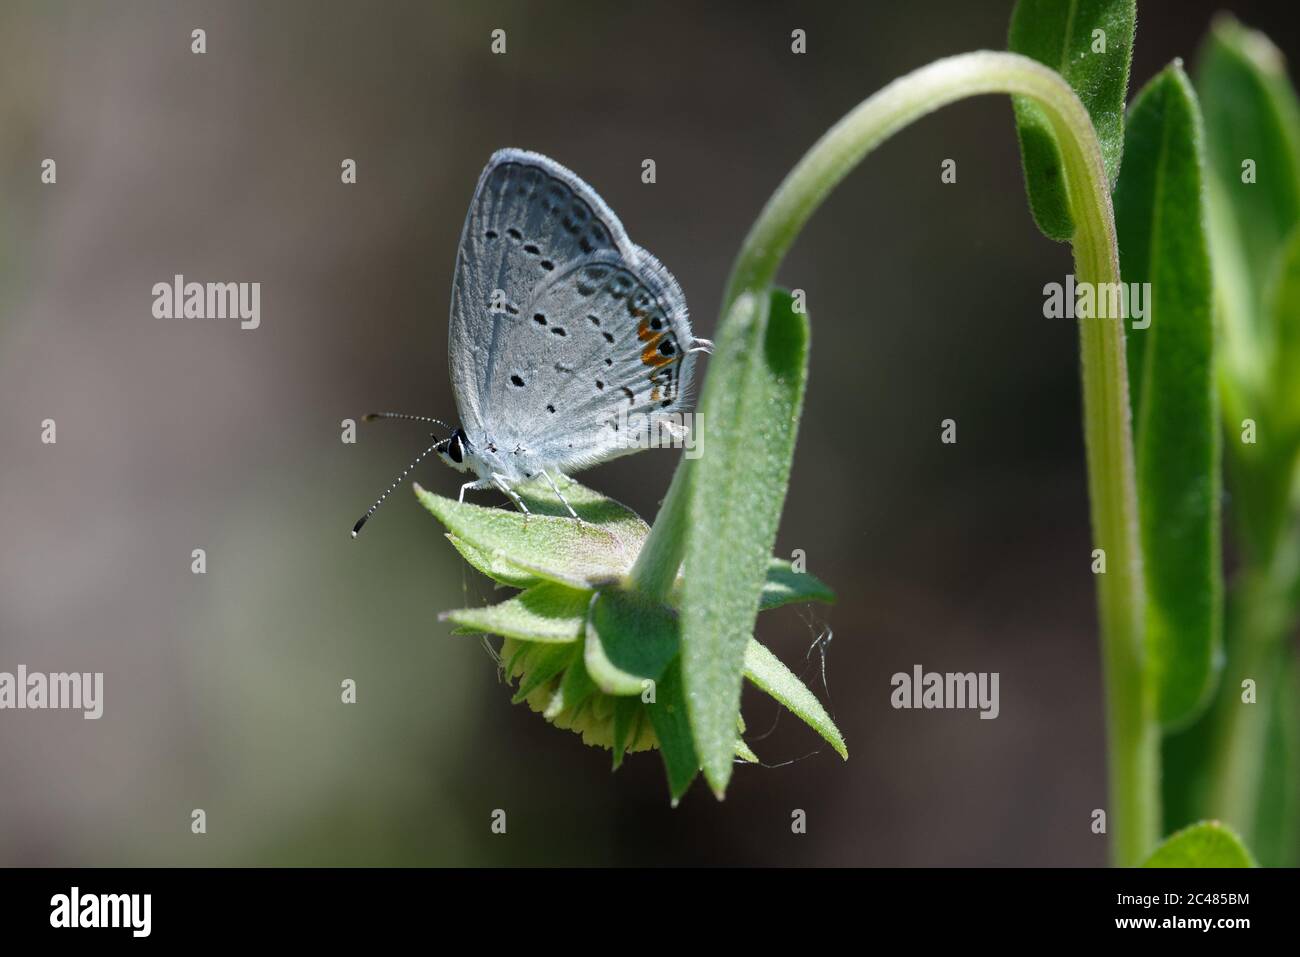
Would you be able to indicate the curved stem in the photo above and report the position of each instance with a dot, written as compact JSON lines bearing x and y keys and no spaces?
{"x":1132,"y":734}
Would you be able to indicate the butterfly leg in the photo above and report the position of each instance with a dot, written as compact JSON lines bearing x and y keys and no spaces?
{"x":477,"y":484}
{"x":499,"y":481}
{"x":556,"y":489}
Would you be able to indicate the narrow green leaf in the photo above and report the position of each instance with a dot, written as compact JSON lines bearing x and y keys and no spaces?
{"x":627,"y":715}
{"x":785,"y":586}
{"x":1090,"y":43}
{"x":673,"y":729}
{"x":1275,"y":837}
{"x":1207,"y":844}
{"x":597,"y":550}
{"x":545,"y":612}
{"x":766,"y":672}
{"x":1283,"y":334}
{"x":501,"y":572}
{"x":1252,"y":124}
{"x":1164,"y":259}
{"x":576,"y":688}
{"x":750,"y":415}
{"x":538,"y":662}
{"x":629,"y":641}
{"x":744,"y":753}
{"x":591,"y":506}
{"x":1262,"y":473}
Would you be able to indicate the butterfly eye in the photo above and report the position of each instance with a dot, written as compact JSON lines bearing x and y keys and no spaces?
{"x":455,"y":449}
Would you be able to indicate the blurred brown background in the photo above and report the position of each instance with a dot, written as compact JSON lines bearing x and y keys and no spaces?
{"x":222,"y":691}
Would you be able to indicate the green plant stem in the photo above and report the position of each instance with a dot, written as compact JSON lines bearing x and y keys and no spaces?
{"x":1132,"y":733}
{"x":1263,"y":613}
{"x":656,"y":566}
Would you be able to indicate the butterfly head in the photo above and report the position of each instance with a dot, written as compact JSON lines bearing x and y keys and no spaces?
{"x":455,"y":450}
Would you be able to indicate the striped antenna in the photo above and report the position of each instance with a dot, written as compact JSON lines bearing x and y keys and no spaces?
{"x":372,"y":416}
{"x":396,"y":482}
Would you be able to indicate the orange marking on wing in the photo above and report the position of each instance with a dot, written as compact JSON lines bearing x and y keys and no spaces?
{"x":651,"y":356}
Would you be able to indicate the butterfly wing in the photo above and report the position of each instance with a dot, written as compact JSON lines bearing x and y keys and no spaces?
{"x":623,"y":360}
{"x":529,"y":219}
{"x":593,"y":334}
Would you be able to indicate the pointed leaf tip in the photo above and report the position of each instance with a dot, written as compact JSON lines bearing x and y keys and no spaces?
{"x":1207,"y":844}
{"x":766,"y":671}
{"x":1090,"y":43}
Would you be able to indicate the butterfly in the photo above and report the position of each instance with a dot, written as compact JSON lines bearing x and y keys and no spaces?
{"x":569,"y":343}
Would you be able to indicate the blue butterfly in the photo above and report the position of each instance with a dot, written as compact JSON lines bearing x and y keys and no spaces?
{"x":569,"y":342}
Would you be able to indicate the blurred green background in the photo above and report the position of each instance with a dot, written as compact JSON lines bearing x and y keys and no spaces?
{"x":222,"y":690}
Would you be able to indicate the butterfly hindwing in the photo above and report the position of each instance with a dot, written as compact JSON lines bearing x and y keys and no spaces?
{"x":612,"y":343}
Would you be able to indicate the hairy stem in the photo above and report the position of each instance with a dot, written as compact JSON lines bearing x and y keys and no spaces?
{"x":655,"y":569}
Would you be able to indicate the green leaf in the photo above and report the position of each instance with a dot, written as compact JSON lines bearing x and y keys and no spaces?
{"x":766,"y":671}
{"x":744,"y":753}
{"x":1252,"y":119}
{"x":1062,"y":34}
{"x":545,"y":612}
{"x":501,"y":572}
{"x":576,"y":688}
{"x":1283,"y":332}
{"x":1250,"y":114}
{"x":750,"y":414}
{"x":627,"y":716}
{"x":1263,"y":474}
{"x":785,"y":586}
{"x":539,"y":661}
{"x":1207,"y":844}
{"x":1160,"y":216}
{"x":1279,"y":788}
{"x":630,"y":641}
{"x":556,"y":547}
{"x":673,"y":729}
